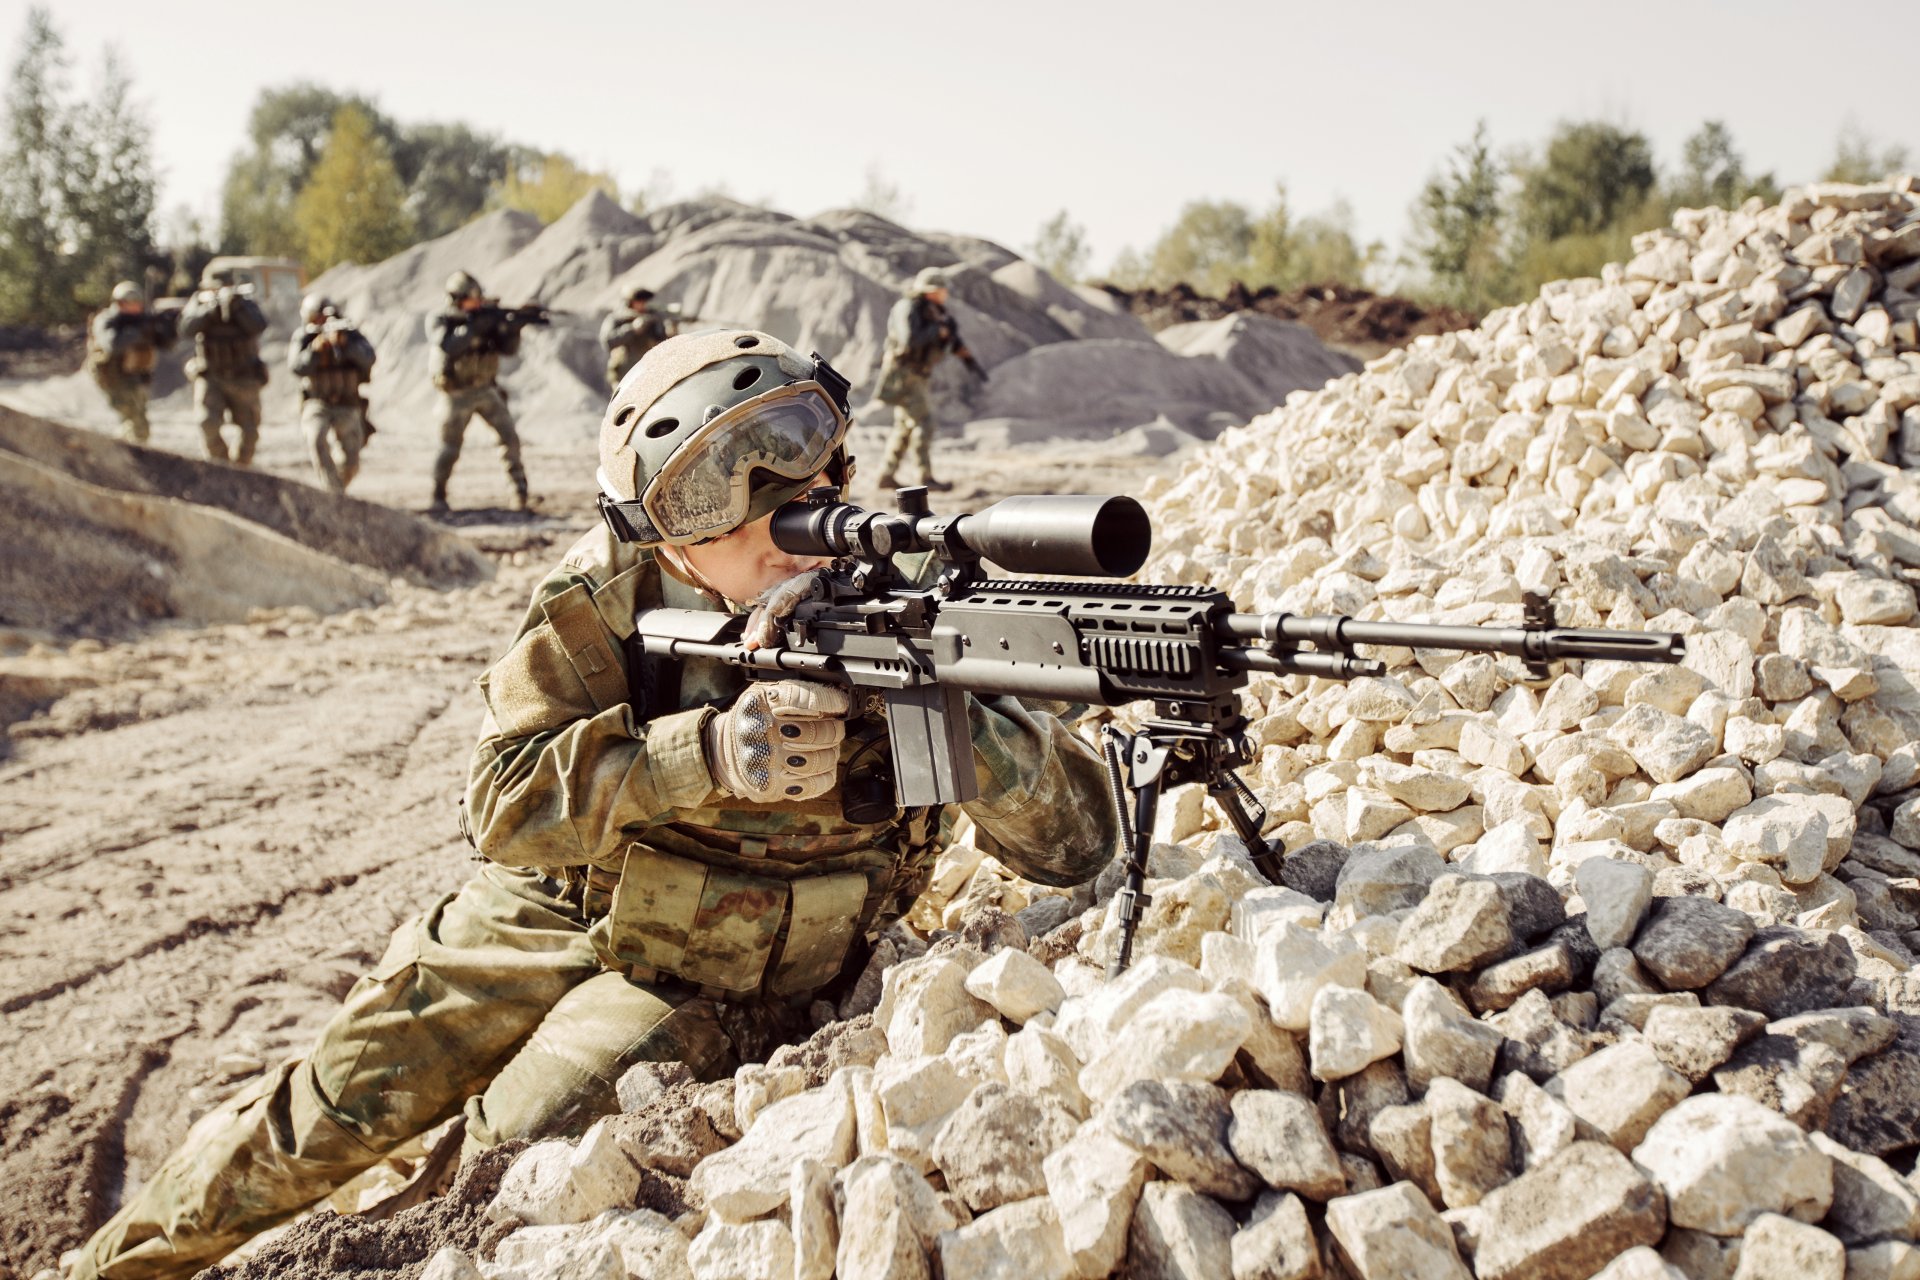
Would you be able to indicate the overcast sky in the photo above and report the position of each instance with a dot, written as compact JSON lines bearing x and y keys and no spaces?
{"x":991,"y":115}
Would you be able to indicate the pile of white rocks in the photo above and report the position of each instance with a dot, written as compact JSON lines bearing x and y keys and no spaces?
{"x":1611,"y":978}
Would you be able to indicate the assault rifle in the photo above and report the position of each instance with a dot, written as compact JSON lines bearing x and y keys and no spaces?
{"x":921,"y":646}
{"x":491,"y":317}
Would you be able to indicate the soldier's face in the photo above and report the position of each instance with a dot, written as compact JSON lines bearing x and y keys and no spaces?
{"x":131,"y":308}
{"x":745,"y":562}
{"x":937,"y":295}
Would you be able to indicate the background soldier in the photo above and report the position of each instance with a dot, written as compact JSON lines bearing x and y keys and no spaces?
{"x":225,"y":325}
{"x":124,"y":342}
{"x":333,"y":360}
{"x":630,"y":334}
{"x":604,"y":800}
{"x":921,"y":332}
{"x":468,"y":340}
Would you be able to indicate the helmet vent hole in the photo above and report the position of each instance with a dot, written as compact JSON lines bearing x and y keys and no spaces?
{"x":747,"y":340}
{"x":664,"y":427}
{"x":745,"y":378}
{"x":624,"y":417}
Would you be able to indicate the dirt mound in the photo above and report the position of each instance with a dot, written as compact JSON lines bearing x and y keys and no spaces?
{"x":1276,"y":356}
{"x":389,"y":542}
{"x":1355,"y":320}
{"x":330,"y":1245}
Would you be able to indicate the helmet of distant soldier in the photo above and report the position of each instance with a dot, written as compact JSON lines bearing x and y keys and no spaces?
{"x":640,"y":295}
{"x":127,"y":291}
{"x":462,"y":285}
{"x":315,"y":305}
{"x":930,"y":279}
{"x":217,"y":277}
{"x":712,"y":430}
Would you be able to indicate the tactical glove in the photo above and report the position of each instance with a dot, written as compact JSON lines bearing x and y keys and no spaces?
{"x":780,"y":740}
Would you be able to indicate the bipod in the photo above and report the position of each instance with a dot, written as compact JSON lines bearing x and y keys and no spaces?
{"x":1171,"y":753}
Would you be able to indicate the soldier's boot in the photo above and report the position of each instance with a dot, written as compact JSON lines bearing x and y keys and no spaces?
{"x":521,"y":502}
{"x":438,"y":506}
{"x":249,"y":440}
{"x":215,"y":442}
{"x":938,"y":486}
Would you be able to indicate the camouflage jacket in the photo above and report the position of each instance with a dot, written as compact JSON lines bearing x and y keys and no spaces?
{"x":634,"y":332}
{"x":126,"y":347}
{"x":225,"y":326}
{"x":920,"y":333}
{"x":567,"y":776}
{"x":461,"y":354}
{"x":332,"y":376}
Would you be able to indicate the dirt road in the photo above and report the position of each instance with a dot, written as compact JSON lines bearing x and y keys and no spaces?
{"x":207,"y":835}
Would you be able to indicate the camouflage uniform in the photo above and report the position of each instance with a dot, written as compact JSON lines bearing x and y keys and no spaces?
{"x":919,"y":336}
{"x":331,"y":405}
{"x":122,"y":349}
{"x":465,"y":363}
{"x":628,"y":335}
{"x":226,"y":368}
{"x":629,"y":913}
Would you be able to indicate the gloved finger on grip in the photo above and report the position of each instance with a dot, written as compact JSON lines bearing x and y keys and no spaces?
{"x":776,"y":604}
{"x":807,"y":735}
{"x":807,"y":762}
{"x":808,"y":699}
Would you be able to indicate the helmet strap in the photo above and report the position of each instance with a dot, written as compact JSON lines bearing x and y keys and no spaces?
{"x":628,"y":520}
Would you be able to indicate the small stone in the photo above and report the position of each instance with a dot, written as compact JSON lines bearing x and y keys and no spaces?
{"x":1041,"y":1063}
{"x":1016,"y":985}
{"x":1537,"y":1040}
{"x":992,"y":1147}
{"x":1394,"y":1234}
{"x":1870,"y":1201}
{"x":538,"y":1188}
{"x":1181,"y":1128}
{"x":1884,"y":1260}
{"x":1797,"y":1079}
{"x":1375,"y":882}
{"x":890,"y":1220}
{"x":643,"y":1082}
{"x":750,"y":1178}
{"x":1094,"y":1181}
{"x":1019,"y":1241}
{"x":1279,"y":1137}
{"x":614,"y":1244}
{"x":448,"y":1263}
{"x":1177,"y":1035}
{"x":1668,"y":747}
{"x":1276,"y":1244}
{"x":1544,"y":969}
{"x":1533,"y":905}
{"x":1618,"y":1092}
{"x":1688,"y":942}
{"x":816,"y":1230}
{"x":1773,"y":1246}
{"x":916,"y":1096}
{"x":1314,"y":869}
{"x":1177,"y":1235}
{"x":1402,"y":1139}
{"x":602,"y":1174}
{"x":747,"y":1251}
{"x":1091,"y":1023}
{"x":1565,"y":1219}
{"x":925,"y":1003}
{"x":1347,"y":1107}
{"x":1778,"y":832}
{"x":1292,"y":964}
{"x":1640,"y":1263}
{"x":1724,"y":1161}
{"x":1617,"y":895}
{"x":1541,"y":1126}
{"x":1786,"y":971}
{"x":1694,"y":1041}
{"x":1469,"y":1137}
{"x":1878,"y":1110}
{"x":1347,"y":1030}
{"x":1460,"y":924}
{"x":1443,"y":1039}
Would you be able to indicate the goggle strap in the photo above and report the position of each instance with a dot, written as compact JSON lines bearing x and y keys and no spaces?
{"x":628,"y":520}
{"x":831,"y":382}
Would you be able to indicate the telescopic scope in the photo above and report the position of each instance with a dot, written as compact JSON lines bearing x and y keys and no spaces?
{"x":1081,"y":535}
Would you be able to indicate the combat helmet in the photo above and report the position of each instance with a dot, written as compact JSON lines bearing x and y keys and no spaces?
{"x":217,"y":277}
{"x":712,"y":430}
{"x":127,"y":291}
{"x":462,"y":285}
{"x":640,"y":295}
{"x":315,"y":304}
{"x":929,"y":279}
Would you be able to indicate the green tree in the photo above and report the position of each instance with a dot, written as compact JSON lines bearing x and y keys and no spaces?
{"x":450,"y":172}
{"x":36,"y":277}
{"x":1714,"y":173}
{"x":1061,"y":248}
{"x":547,"y":185}
{"x":287,"y":131}
{"x":112,"y":188}
{"x":352,"y":207}
{"x":1859,"y":158}
{"x":1207,"y":246}
{"x":1316,"y":249}
{"x":1590,"y":176}
{"x":1459,"y":234}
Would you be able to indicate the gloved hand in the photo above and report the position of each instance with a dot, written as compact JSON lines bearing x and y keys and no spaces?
{"x":777,"y":603}
{"x":780,"y":740}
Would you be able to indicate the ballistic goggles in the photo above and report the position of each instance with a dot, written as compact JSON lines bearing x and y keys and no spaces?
{"x":706,"y":487}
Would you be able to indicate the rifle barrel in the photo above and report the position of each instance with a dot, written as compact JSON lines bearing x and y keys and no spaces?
{"x":1336,"y":633}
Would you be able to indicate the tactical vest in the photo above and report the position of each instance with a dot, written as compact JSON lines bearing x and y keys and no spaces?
{"x":477,"y":366}
{"x":743,"y":900}
{"x":229,"y":353}
{"x":332,"y":382}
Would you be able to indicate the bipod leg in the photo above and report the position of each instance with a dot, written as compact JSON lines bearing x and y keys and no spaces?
{"x":1145,"y":762}
{"x":1244,"y":810}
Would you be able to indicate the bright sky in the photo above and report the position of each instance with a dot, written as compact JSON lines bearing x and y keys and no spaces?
{"x":991,"y":115}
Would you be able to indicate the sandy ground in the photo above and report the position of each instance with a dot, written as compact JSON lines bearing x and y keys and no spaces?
{"x":207,"y":835}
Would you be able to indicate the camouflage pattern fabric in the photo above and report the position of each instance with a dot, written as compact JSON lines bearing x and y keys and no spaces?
{"x":491,"y":1002}
{"x":325,"y":424}
{"x":912,"y":426}
{"x":216,"y":400}
{"x":460,"y":357}
{"x":511,"y":1000}
{"x":225,"y":326}
{"x":129,"y":401}
{"x":489,"y":403}
{"x":628,"y":336}
{"x":122,"y":350}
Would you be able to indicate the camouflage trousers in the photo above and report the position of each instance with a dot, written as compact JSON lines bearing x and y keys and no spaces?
{"x":912,"y":428}
{"x":217,"y":399}
{"x":492,"y":1001}
{"x":325,"y":424}
{"x":490,"y":404}
{"x":128,"y":399}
